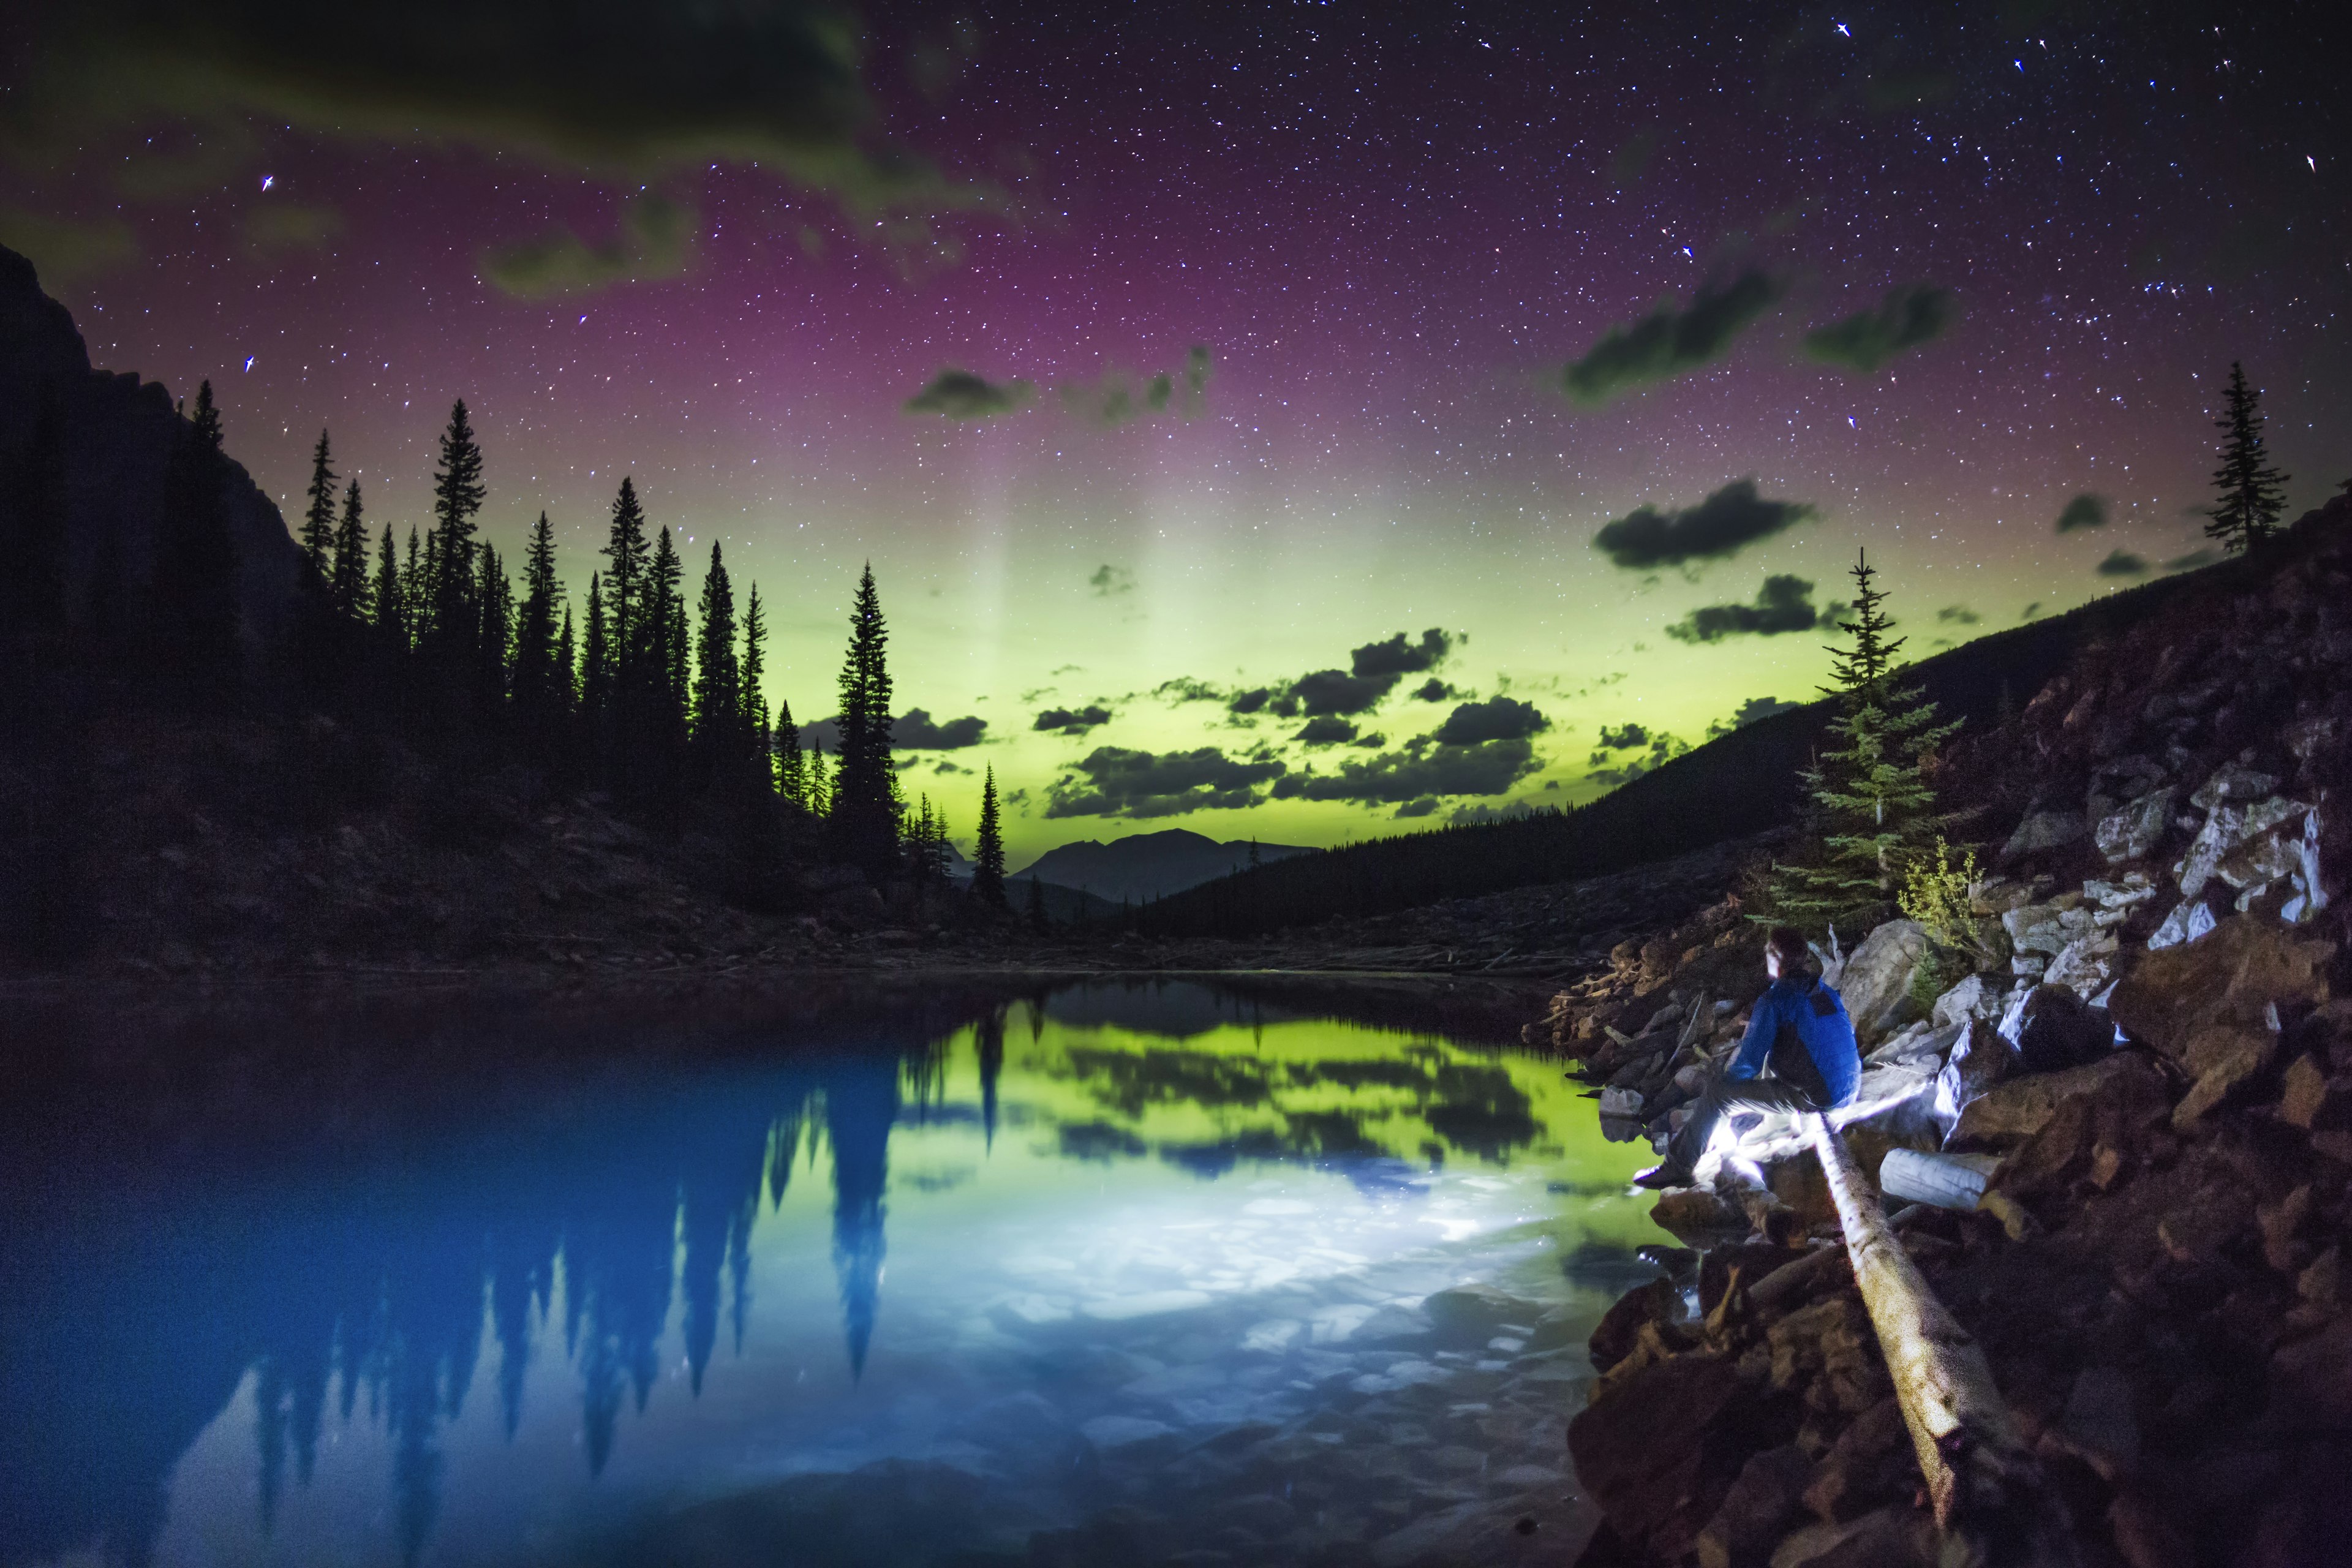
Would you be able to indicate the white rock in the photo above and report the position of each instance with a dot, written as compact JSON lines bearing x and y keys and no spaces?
{"x":2083,"y":965}
{"x":2228,"y":826}
{"x":2043,"y":830}
{"x":1972,"y":998}
{"x":2232,"y":781}
{"x":1876,"y":981}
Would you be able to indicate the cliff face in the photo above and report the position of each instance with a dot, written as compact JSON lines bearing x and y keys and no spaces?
{"x":119,"y":433}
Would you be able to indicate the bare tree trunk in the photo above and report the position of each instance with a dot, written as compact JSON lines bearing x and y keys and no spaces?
{"x":1991,"y":1498}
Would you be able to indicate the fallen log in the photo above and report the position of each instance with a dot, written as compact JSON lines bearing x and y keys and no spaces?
{"x":1991,"y":1499}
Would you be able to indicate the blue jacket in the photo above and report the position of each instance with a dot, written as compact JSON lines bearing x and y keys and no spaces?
{"x":1816,"y":1014}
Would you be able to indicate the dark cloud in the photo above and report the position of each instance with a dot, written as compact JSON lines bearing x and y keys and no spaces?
{"x":632,"y":93}
{"x":2029,"y":611}
{"x":1109,"y":580}
{"x":1717,"y":527}
{"x":1116,"y":782}
{"x":1419,"y":768}
{"x":1253,"y":701}
{"x":1749,"y":711}
{"x":1396,"y":656}
{"x":1959,"y":615}
{"x":1337,"y":691}
{"x":1497,"y":719}
{"x":656,"y":241}
{"x":1116,"y":398}
{"x":1784,"y":604}
{"x":1668,"y":342}
{"x":1432,"y":691}
{"x":2122,"y":564}
{"x":1073,"y":720}
{"x":1624,"y":738}
{"x":1327,"y":732}
{"x":2085,"y":510}
{"x":62,"y":250}
{"x":1185,"y":688}
{"x":960,"y":395}
{"x":1664,"y":748}
{"x":913,"y":731}
{"x":2193,"y":560}
{"x":1868,"y":339}
{"x":1423,"y":805}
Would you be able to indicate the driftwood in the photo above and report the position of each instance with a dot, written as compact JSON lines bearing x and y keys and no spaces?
{"x":1992,"y":1500}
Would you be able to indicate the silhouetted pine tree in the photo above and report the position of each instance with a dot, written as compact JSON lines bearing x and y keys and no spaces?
{"x":493,"y":597}
{"x":791,"y":768}
{"x":453,"y":619}
{"x":666,"y":640}
{"x":715,"y":720}
{"x":194,"y":592}
{"x":538,"y":658}
{"x":2253,"y":493}
{"x":347,"y":574}
{"x":926,"y":848}
{"x":567,"y":667}
{"x":1872,"y":806}
{"x":751,"y":724}
{"x":820,"y":787}
{"x":596,"y":657}
{"x":867,"y":807}
{"x":414,"y":594}
{"x":388,"y":604}
{"x":318,"y":535}
{"x":988,"y":849}
{"x":625,"y":549}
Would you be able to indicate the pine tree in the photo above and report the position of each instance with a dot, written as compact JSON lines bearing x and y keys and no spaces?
{"x":537,"y":657}
{"x":667,"y":644}
{"x":2253,"y":493}
{"x":347,"y":576}
{"x":388,"y":606}
{"x":567,"y":667}
{"x":716,"y":717}
{"x":867,"y":807}
{"x":751,"y":728}
{"x":988,"y":850}
{"x":33,"y":525}
{"x":452,"y":621}
{"x":820,"y":787}
{"x":1873,"y":807}
{"x":414,"y":596}
{"x":791,"y":768}
{"x":318,"y":536}
{"x":625,"y":550}
{"x":493,"y":596}
{"x":596,"y":654}
{"x":195,"y":609}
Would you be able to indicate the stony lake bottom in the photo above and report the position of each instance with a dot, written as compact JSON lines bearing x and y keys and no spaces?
{"x":1106,"y":1272}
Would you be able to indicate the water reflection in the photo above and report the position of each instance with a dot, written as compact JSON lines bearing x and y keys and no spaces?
{"x":591,"y":1244}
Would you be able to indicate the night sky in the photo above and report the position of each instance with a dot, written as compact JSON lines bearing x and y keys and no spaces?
{"x":1473,"y":285}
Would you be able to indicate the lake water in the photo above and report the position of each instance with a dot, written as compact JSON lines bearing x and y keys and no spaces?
{"x":1113,"y":1273}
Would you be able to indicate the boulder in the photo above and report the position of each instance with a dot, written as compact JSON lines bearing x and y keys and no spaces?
{"x":1660,"y":1451}
{"x":2056,"y":1030}
{"x":2226,"y":828}
{"x":1876,"y":984}
{"x":1982,"y":1057}
{"x":2048,"y":928}
{"x":2008,"y":1114}
{"x":2043,"y":830}
{"x":1756,"y":1509}
{"x":2134,"y":832}
{"x":1972,"y":998}
{"x":1896,"y":1536}
{"x":1477,"y":1313}
{"x":1872,"y":1462}
{"x":2232,"y":782}
{"x":1695,"y":1211}
{"x":2236,"y":975}
{"x":1612,"y":1339}
{"x":1828,"y":1352}
{"x":1753,"y":1260}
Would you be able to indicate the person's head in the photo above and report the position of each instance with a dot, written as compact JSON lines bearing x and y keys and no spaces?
{"x":1786,"y":954}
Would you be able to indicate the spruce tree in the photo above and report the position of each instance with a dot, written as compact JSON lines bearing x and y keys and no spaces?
{"x":988,"y":850}
{"x":716,"y":717}
{"x":537,"y":659}
{"x":625,"y":550}
{"x":415,"y":595}
{"x":666,"y":645}
{"x":493,"y":597}
{"x":452,"y":621}
{"x":2253,"y":493}
{"x":596,"y":654}
{"x":195,"y":608}
{"x":820,"y":785}
{"x":567,"y":667}
{"x":1873,"y":807}
{"x":751,"y":727}
{"x":388,"y":606}
{"x":791,"y":768}
{"x":318,"y":535}
{"x":867,"y":807}
{"x":347,"y":577}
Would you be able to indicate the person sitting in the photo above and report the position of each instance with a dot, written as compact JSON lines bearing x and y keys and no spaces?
{"x":1799,"y":1025}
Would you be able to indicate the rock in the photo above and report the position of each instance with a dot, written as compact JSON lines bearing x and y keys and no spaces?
{"x":2190,"y":919}
{"x":2082,"y":965}
{"x":1476,"y":1312}
{"x":1872,"y":1462}
{"x":1696,"y":1212}
{"x":1972,"y":998}
{"x":2043,"y":830}
{"x":1829,"y":1352}
{"x":2134,"y":832}
{"x":2056,"y":1030}
{"x":2048,"y":928}
{"x":2006,"y":1115}
{"x":2311,"y":1381}
{"x":2144,"y":1537}
{"x":1612,"y":1339}
{"x":2225,"y":829}
{"x":1756,"y":1509}
{"x":2223,"y":1057}
{"x":2089,"y":1133}
{"x":2235,"y":976}
{"x":2232,"y":781}
{"x":1876,"y":984}
{"x":1753,"y":1260}
{"x":1980,"y":1058}
{"x":2310,"y":1100}
{"x":1897,"y":1536}
{"x":1659,"y":1452}
{"x":2098,"y":1415}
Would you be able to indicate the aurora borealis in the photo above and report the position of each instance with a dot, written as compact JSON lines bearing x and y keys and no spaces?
{"x":1826,"y":277}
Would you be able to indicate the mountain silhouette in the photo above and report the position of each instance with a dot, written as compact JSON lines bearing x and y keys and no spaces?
{"x":1149,"y":865}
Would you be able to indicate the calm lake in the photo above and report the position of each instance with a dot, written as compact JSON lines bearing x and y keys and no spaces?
{"x":1107,"y":1273}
